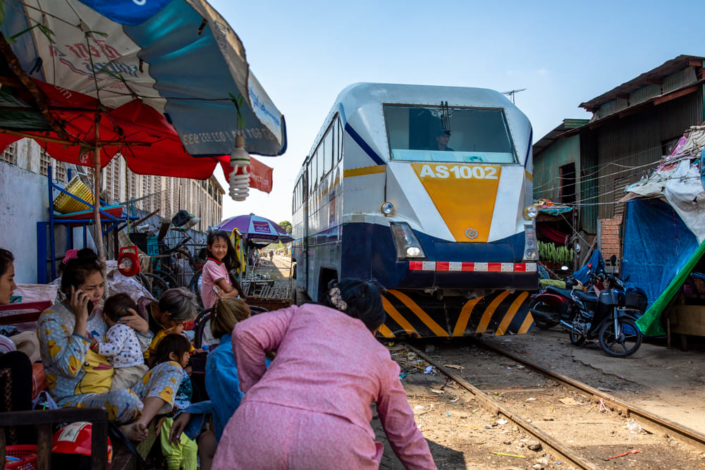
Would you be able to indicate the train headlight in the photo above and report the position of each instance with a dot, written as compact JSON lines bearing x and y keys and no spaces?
{"x":531,"y":212}
{"x":414,"y":252}
{"x":406,"y":243}
{"x":530,"y":254}
{"x":387,"y":208}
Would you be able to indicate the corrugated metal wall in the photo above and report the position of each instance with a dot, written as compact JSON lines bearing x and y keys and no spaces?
{"x":547,"y":163}
{"x":588,"y":181}
{"x":679,"y":79}
{"x":636,"y":140}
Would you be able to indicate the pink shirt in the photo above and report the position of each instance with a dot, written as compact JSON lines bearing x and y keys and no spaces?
{"x":328,"y":362}
{"x":212,"y":272}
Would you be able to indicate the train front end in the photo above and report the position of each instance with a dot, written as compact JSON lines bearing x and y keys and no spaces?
{"x":454,"y":238}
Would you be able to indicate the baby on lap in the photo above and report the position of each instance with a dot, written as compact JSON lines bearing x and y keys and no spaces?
{"x":122,"y":348}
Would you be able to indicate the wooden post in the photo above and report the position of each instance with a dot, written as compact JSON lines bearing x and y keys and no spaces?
{"x":3,"y":445}
{"x":99,"y":445}
{"x":96,"y":204}
{"x":44,"y":441}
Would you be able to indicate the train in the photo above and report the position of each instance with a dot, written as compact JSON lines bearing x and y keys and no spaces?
{"x":428,"y":190}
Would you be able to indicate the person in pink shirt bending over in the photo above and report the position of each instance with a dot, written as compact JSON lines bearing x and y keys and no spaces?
{"x":222,"y":258}
{"x":311,"y":409}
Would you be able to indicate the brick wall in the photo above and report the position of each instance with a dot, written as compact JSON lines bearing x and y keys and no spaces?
{"x":610,"y":237}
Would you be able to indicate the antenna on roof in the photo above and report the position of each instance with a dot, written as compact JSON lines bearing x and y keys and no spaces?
{"x":512,"y":93}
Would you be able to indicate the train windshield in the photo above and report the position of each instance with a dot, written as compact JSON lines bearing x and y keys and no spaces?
{"x":443,"y":134}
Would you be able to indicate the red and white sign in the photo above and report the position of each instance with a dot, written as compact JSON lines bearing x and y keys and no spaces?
{"x":456,"y":266}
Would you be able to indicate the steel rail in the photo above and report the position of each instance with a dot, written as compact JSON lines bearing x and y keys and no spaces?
{"x":548,"y":442}
{"x":647,"y":420}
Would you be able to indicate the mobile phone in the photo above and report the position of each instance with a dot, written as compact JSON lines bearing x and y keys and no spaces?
{"x":215,"y":289}
{"x":89,"y":306}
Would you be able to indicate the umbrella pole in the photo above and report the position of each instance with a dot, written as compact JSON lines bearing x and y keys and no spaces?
{"x":96,"y":203}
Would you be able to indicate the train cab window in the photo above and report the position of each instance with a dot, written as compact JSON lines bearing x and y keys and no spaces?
{"x":436,"y":134}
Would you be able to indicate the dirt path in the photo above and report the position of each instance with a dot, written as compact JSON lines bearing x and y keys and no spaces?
{"x":278,"y":269}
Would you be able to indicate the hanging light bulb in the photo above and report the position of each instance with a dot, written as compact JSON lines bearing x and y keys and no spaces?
{"x":240,"y":183}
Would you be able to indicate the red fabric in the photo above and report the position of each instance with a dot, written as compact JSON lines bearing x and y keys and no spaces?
{"x":553,"y":234}
{"x":260,"y":174}
{"x":39,"y":379}
{"x":132,"y":122}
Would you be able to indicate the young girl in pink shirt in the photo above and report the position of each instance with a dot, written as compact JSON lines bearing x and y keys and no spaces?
{"x":216,"y":279}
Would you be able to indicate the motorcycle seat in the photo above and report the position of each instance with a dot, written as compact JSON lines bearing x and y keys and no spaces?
{"x":584,"y":297}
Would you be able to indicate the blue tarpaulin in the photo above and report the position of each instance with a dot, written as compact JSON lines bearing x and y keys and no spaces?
{"x":598,"y":265}
{"x":657,"y":245}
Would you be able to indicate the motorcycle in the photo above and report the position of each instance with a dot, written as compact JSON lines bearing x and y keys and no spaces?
{"x":612,"y":322}
{"x":609,"y":316}
{"x":554,"y":304}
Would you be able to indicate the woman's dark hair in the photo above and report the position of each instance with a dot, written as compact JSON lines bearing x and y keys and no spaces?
{"x":76,"y":271}
{"x":363,"y":300}
{"x":116,"y":306}
{"x":5,"y":259}
{"x":174,"y":343}
{"x":231,"y":262}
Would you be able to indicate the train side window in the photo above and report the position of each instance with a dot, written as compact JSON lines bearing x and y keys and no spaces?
{"x":316,"y":167}
{"x":328,"y":149}
{"x":334,"y":131}
{"x":341,"y":135}
{"x":310,"y":175}
{"x":323,"y":150}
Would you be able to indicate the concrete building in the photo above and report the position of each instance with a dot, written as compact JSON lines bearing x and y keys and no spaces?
{"x":632,"y":127}
{"x":202,"y":198}
{"x":24,"y":195}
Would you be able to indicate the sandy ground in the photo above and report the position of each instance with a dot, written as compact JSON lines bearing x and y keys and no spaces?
{"x":669,"y":383}
{"x":462,"y":435}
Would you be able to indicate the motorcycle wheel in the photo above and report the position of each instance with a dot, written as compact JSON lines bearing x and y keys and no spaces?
{"x":577,"y":339}
{"x":623,"y":342}
{"x":543,"y":323}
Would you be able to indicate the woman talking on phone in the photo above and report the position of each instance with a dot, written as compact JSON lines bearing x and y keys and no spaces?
{"x":76,"y":375}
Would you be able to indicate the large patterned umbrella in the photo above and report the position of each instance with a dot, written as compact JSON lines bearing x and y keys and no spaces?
{"x":158,"y":81}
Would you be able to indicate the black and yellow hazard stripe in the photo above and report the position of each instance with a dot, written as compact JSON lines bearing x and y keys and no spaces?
{"x":417,"y":315}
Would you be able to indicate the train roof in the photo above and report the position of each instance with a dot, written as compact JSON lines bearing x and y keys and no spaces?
{"x":357,"y":95}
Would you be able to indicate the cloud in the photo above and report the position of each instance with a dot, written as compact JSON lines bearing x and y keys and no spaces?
{"x":542,"y":72}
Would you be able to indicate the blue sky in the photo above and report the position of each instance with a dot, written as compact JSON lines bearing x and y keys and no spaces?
{"x":304,"y":53}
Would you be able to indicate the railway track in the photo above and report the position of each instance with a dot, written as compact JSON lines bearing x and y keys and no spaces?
{"x":558,"y":432}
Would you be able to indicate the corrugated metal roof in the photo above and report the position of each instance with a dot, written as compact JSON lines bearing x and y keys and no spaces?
{"x":655,"y":75}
